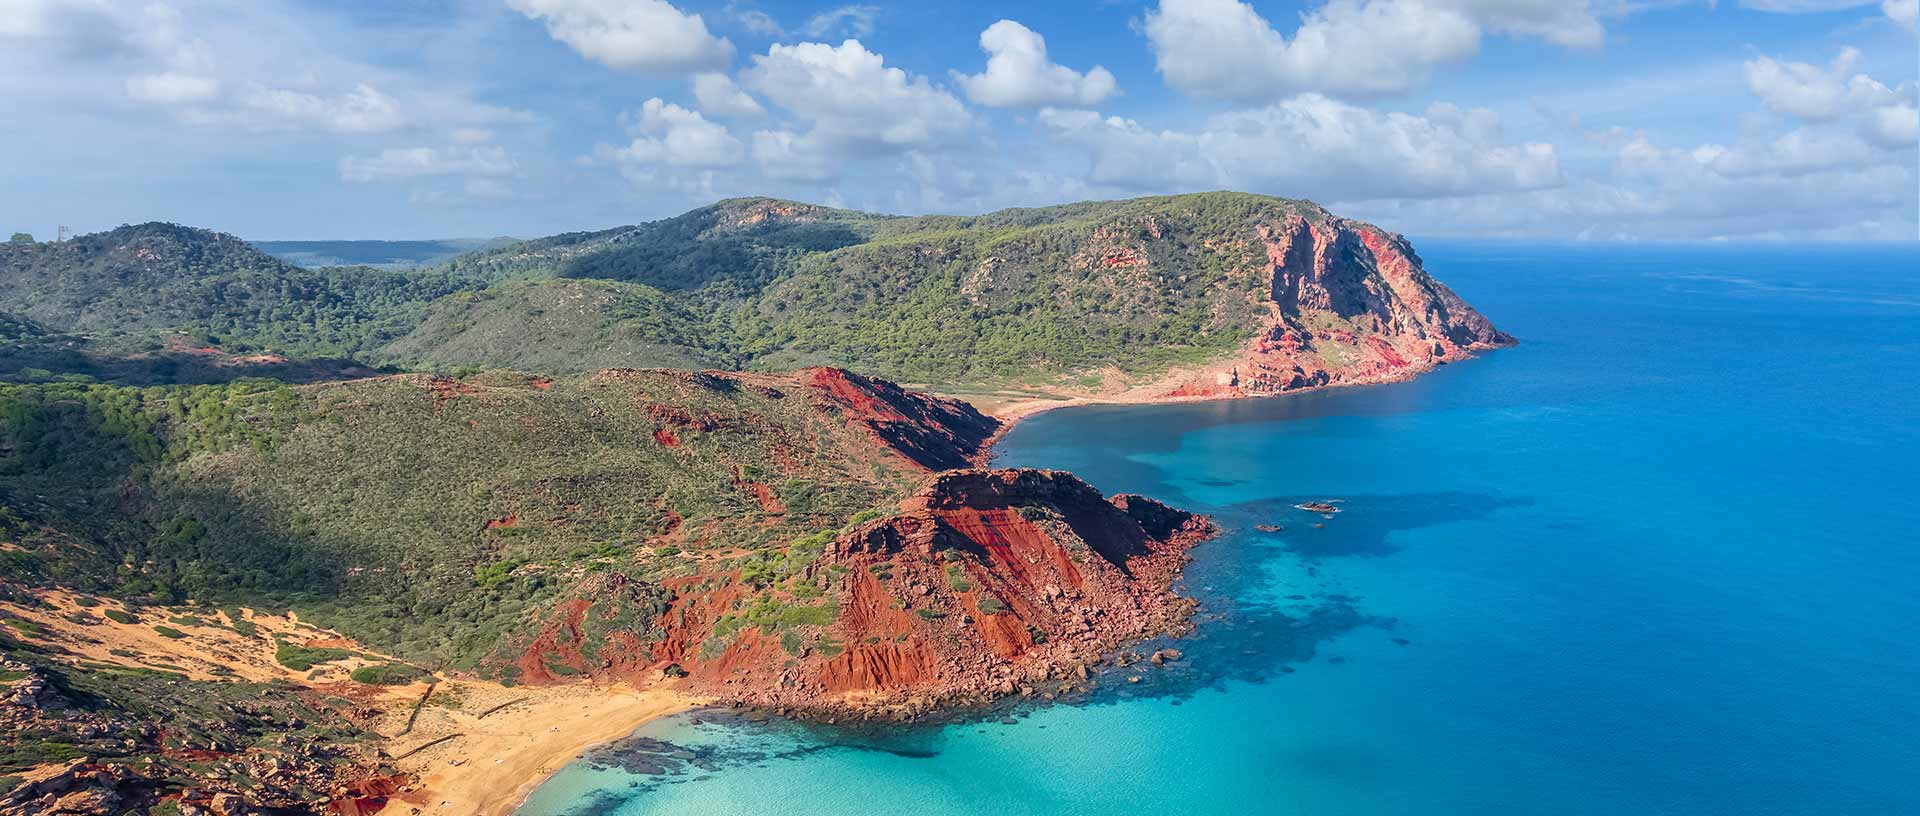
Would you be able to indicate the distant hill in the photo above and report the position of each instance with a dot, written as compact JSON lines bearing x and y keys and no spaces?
{"x":378,"y":254}
{"x":136,"y":288}
{"x":1218,"y":290}
{"x":1191,"y":294}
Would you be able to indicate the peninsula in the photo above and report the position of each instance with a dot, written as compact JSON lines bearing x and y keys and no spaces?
{"x":337,"y":538}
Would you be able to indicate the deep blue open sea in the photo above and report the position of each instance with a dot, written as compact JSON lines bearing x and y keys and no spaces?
{"x":1662,"y":558}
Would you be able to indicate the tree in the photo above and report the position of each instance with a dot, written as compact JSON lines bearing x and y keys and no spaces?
{"x":22,"y":238}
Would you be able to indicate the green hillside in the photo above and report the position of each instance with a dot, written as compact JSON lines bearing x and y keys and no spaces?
{"x":1044,"y":297}
{"x":442,"y":522}
{"x":132,"y":285}
{"x":425,"y":517}
{"x":1022,"y":294}
{"x":561,"y":326}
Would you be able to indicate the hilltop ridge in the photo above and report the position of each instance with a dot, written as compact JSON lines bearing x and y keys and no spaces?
{"x":1161,"y":296}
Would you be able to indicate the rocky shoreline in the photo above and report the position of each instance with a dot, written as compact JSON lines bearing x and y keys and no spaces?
{"x":1055,"y":670}
{"x":985,"y":584}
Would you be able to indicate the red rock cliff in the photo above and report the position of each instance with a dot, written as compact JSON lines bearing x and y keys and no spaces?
{"x":1348,"y":303}
{"x":931,"y":432}
{"x":986,"y":582}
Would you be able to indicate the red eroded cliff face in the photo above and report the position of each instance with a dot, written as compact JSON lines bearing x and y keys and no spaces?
{"x":928,"y":433}
{"x":984,"y":583}
{"x":933,"y":433}
{"x":1348,"y":303}
{"x":975,"y":583}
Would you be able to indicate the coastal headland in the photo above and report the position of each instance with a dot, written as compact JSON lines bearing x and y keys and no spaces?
{"x":456,"y":582}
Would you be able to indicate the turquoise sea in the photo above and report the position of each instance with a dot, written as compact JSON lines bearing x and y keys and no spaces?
{"x":1662,"y":558}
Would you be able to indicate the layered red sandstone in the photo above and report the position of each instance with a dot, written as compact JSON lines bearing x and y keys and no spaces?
{"x":985,"y":583}
{"x":1348,"y":303}
{"x":930,"y":433}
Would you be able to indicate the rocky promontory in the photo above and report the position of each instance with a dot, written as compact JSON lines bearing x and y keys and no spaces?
{"x":984,"y":583}
{"x":1346,"y":303}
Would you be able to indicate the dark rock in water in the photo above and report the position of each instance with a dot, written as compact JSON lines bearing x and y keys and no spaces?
{"x":1402,"y":641}
{"x":1286,"y":669}
{"x":1268,"y":528}
{"x":1318,"y":507}
{"x":1336,"y":660}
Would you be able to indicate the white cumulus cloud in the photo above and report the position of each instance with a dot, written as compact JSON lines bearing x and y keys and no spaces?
{"x":852,"y":100}
{"x":1893,"y":126}
{"x":1813,"y":92}
{"x":247,"y":67}
{"x":1901,"y":12}
{"x":788,"y":156}
{"x":719,"y":96}
{"x":1887,"y":117}
{"x":1224,"y":49}
{"x":1798,"y":152}
{"x":639,"y":35}
{"x":670,"y":134}
{"x":1018,"y":74}
{"x":1313,"y":146}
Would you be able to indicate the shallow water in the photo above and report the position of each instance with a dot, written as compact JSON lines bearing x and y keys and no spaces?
{"x":1657,"y":559}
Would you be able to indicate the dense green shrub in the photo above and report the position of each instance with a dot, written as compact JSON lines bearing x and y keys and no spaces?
{"x":301,"y":658}
{"x":388,"y":674}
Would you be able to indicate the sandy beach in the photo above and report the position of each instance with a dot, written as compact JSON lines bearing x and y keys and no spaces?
{"x":500,"y":758}
{"x":1011,"y":407}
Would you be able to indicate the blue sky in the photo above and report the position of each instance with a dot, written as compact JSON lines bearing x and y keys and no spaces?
{"x":1586,"y":119}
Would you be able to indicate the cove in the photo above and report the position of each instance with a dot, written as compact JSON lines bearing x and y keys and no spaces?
{"x":1655,"y":560}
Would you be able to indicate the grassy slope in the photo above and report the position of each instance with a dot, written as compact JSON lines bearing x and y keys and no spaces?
{"x":1026,"y":294}
{"x":562,"y":325}
{"x":1043,"y":296}
{"x":1020,"y":294}
{"x":130,"y":286}
{"x":424,"y":517}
